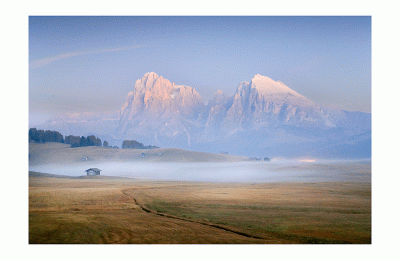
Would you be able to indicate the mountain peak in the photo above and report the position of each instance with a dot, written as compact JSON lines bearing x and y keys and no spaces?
{"x":150,"y":74}
{"x":156,"y":97}
{"x":258,"y":76}
{"x":268,"y":86}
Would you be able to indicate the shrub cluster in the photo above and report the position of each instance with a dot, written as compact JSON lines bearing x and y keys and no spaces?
{"x":132,"y":144}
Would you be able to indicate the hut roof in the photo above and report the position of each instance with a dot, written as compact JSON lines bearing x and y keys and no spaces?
{"x":93,"y":169}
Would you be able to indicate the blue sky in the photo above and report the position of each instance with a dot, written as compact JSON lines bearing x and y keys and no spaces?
{"x":80,"y":64}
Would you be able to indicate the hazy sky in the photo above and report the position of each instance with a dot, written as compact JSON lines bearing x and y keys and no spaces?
{"x":87,"y":64}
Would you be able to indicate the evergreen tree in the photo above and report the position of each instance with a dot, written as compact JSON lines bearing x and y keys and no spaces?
{"x":133,"y":144}
{"x":41,"y":136}
{"x":83,"y":141}
{"x":73,"y":140}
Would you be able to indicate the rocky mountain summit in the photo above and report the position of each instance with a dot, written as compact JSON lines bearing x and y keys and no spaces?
{"x":262,"y":116}
{"x":267,"y":103}
{"x":159,"y":108}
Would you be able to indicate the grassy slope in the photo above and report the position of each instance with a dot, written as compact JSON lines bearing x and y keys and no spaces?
{"x":49,"y":153}
{"x":100,"y":210}
{"x":96,"y":211}
{"x":297,"y":212}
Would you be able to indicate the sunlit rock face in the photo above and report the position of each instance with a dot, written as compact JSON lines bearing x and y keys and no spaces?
{"x":267,"y":103}
{"x":159,"y":108}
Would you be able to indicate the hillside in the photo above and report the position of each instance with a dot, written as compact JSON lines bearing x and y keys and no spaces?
{"x":57,"y":153}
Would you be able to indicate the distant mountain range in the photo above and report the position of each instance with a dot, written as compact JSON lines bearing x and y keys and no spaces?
{"x":263,"y":118}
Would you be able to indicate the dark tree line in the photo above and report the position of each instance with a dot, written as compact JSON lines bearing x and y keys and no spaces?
{"x":76,"y":141}
{"x":132,"y":144}
{"x":42,"y":136}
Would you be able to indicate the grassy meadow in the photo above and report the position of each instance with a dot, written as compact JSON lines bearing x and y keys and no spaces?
{"x":293,"y":212}
{"x":110,"y":210}
{"x":116,"y":210}
{"x":96,"y":211}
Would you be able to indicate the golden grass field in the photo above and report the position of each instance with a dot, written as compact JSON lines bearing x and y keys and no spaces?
{"x":114,"y":210}
{"x":104,"y":210}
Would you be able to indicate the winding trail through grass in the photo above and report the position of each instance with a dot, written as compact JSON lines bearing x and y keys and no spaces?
{"x":150,"y":211}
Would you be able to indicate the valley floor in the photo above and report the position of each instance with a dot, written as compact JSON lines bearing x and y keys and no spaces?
{"x":101,"y":210}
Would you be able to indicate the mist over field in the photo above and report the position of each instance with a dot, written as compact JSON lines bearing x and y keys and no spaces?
{"x":276,"y":171}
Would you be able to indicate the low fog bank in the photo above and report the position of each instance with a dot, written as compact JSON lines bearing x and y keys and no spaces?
{"x":277,"y":170}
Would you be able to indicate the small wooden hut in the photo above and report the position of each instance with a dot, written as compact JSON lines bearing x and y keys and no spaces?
{"x":93,"y":171}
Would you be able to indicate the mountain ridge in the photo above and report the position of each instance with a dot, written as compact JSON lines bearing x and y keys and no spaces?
{"x":165,"y":114}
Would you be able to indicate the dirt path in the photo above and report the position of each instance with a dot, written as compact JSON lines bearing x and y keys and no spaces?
{"x":147,"y":210}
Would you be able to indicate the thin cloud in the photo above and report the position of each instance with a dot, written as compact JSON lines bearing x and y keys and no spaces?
{"x":45,"y":61}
